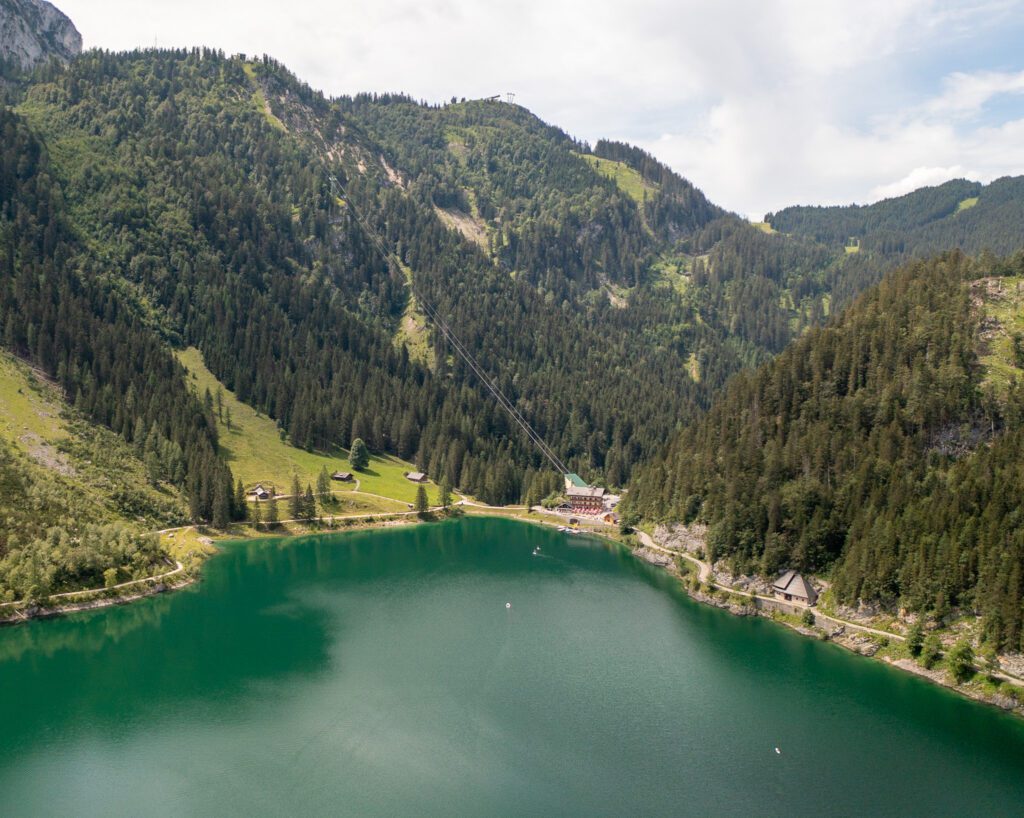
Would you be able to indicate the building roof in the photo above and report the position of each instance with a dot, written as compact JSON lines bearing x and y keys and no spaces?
{"x":574,"y":480}
{"x":416,"y":476}
{"x":342,"y":475}
{"x":585,"y":491}
{"x":794,"y":584}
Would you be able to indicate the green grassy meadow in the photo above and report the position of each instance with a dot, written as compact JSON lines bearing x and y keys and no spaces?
{"x":29,"y":409}
{"x":257,"y":453}
{"x":629,"y":181}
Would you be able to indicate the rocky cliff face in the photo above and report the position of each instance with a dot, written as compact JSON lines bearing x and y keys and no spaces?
{"x":32,"y":31}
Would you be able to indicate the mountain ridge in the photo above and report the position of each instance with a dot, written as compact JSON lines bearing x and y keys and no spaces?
{"x":33,"y":31}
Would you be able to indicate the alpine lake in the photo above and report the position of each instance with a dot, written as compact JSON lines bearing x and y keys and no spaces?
{"x":472,"y":667}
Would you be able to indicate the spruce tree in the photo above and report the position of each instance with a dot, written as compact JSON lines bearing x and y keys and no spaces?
{"x":323,"y":485}
{"x":915,"y":639}
{"x":359,"y":456}
{"x":422,"y":504}
{"x":309,"y":503}
{"x":444,"y":493}
{"x":241,"y":507}
{"x":295,"y":502}
{"x":221,"y":505}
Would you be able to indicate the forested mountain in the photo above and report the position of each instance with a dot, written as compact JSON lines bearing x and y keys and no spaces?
{"x":217,"y":221}
{"x":203,"y":185}
{"x":60,"y":309}
{"x":887,"y":447}
{"x":958,"y":214}
{"x":157,"y":200}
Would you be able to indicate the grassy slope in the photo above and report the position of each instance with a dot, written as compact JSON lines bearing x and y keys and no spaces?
{"x":260,"y":101}
{"x":629,"y":181}
{"x":413,"y":332}
{"x":256,"y":453}
{"x":1003,"y":304}
{"x":967,"y":204}
{"x":94,"y":463}
{"x":673,"y":270}
{"x":28,"y":408}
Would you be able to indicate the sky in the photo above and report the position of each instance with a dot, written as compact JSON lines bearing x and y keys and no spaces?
{"x":761,"y":103}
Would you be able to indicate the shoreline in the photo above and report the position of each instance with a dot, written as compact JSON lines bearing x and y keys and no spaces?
{"x":99,"y":598}
{"x":866,"y":641}
{"x":24,"y":611}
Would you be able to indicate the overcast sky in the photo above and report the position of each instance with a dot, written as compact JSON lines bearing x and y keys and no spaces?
{"x":762,"y":104}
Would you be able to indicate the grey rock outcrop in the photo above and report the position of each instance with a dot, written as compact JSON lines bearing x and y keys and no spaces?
{"x":32,"y":31}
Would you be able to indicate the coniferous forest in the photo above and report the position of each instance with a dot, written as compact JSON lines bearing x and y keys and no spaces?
{"x":877,"y":447}
{"x":156,"y":200}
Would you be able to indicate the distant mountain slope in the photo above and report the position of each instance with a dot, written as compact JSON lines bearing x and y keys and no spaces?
{"x":203,"y":182}
{"x":958,"y":214}
{"x":546,"y":212}
{"x":33,"y":31}
{"x":879,"y":447}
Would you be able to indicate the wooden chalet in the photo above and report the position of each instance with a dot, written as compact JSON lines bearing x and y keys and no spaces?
{"x":792,"y":587}
{"x":261,"y":493}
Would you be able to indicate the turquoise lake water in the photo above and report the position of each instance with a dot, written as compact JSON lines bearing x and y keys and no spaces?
{"x":381,"y":673}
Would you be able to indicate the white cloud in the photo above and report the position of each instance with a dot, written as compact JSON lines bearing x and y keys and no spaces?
{"x":762,"y":104}
{"x":966,"y":94}
{"x":918,"y":177}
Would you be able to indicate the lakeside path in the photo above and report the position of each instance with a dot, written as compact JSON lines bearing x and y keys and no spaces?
{"x":86,"y":591}
{"x":704,"y":575}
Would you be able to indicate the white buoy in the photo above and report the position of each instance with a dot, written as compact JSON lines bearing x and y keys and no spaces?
{"x":508,"y":604}
{"x":778,"y":751}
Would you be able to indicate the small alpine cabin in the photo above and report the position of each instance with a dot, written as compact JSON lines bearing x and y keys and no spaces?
{"x":792,"y":587}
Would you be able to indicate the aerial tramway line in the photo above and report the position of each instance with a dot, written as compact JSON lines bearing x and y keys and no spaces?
{"x":433,"y":314}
